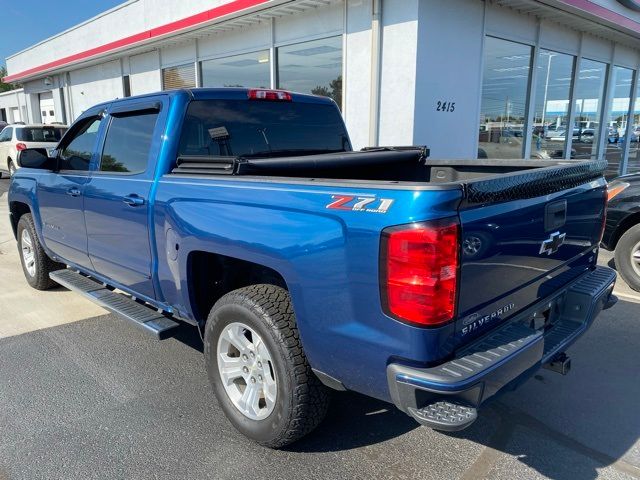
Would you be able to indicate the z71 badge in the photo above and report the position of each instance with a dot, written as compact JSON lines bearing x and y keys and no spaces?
{"x":360,"y":204}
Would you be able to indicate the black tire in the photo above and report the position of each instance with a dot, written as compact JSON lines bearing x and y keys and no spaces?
{"x":43,"y":264}
{"x":627,"y":244}
{"x":302,"y":401}
{"x":11,"y":167}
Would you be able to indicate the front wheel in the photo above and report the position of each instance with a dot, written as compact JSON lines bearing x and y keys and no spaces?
{"x":36,"y":265}
{"x":627,"y":256}
{"x":257,"y":367}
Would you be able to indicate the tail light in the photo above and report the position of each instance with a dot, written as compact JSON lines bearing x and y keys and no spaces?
{"x":270,"y":95}
{"x":419,"y":272}
{"x":20,"y":146}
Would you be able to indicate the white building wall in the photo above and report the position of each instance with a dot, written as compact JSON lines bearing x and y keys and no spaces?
{"x":452,"y":78}
{"x":93,"y":85}
{"x":144,"y":73}
{"x":398,"y":71}
{"x":235,"y":42}
{"x":13,"y":102}
{"x":179,"y":54}
{"x":357,"y":71}
{"x":130,"y":18}
{"x":321,"y":22}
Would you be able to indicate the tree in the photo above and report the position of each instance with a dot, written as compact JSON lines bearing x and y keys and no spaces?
{"x":334,"y":90}
{"x":5,"y":87}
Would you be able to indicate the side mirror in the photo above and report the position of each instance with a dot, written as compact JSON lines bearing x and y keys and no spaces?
{"x":37,"y":158}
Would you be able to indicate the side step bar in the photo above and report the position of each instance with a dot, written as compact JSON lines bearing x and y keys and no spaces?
{"x":145,"y":317}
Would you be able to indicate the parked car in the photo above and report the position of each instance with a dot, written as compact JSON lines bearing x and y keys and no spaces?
{"x":307,"y":266}
{"x":15,"y":138}
{"x":622,"y":230}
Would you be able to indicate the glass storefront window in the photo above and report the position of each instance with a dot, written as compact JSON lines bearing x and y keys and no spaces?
{"x":312,"y":67}
{"x":617,"y":118}
{"x":633,"y":165}
{"x":505,"y":83}
{"x":247,"y":70}
{"x":588,"y":107}
{"x":551,"y":109}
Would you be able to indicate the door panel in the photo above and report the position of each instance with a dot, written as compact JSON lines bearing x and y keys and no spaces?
{"x":117,"y":198}
{"x":118,"y":235}
{"x":61,"y":202}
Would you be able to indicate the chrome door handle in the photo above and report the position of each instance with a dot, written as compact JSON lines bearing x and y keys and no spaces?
{"x":74,"y":192}
{"x":133,"y":200}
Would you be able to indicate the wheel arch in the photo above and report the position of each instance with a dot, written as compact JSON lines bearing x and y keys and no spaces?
{"x":628,"y":222}
{"x":17,"y":210}
{"x":212,"y":275}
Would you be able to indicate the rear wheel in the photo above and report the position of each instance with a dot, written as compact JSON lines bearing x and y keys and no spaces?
{"x":12,"y":168}
{"x":36,"y":265}
{"x":257,"y":367}
{"x":627,"y":256}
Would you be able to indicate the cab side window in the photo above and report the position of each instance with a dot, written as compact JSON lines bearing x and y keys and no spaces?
{"x":76,"y":155}
{"x":128,"y":142}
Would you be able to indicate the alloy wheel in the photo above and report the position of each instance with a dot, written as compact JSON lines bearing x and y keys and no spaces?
{"x":28,"y":256}
{"x":247,"y":371}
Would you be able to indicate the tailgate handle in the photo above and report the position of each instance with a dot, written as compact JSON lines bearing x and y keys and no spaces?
{"x":555,"y":215}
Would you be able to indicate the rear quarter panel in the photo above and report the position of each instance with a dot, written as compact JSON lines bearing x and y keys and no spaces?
{"x":328,"y":258}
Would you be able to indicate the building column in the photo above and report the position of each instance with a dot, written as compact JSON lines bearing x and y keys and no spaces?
{"x":58,"y":105}
{"x":33,"y":108}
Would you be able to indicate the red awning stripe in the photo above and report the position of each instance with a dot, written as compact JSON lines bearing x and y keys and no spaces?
{"x":232,"y":7}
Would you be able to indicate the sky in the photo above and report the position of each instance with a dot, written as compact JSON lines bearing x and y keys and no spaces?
{"x":27,"y":22}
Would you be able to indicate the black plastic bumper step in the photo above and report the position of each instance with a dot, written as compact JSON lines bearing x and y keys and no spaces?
{"x":445,"y":415}
{"x":145,"y":317}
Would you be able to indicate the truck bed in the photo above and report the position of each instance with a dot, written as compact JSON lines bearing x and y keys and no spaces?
{"x":486,"y":181}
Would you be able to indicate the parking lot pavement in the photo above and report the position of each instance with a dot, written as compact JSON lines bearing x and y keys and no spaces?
{"x":97,"y":398}
{"x":24,"y":309}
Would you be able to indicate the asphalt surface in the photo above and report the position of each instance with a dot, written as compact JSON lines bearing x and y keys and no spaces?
{"x":99,"y":398}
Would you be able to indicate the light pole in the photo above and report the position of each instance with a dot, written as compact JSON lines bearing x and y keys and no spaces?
{"x":546,"y":87}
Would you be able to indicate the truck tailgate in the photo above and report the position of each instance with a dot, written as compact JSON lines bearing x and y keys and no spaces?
{"x":523,"y":236}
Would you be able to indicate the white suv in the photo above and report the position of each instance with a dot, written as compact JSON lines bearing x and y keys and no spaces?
{"x":15,"y":138}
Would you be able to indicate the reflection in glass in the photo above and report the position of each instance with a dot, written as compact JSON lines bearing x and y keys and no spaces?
{"x":247,"y":70}
{"x":589,"y":98}
{"x":551,"y":109}
{"x":617,"y":118}
{"x":504,"y":97}
{"x":312,"y":67}
{"x":633,"y":165}
{"x":181,"y":76}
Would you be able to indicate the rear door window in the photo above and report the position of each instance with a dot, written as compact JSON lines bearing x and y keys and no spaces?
{"x":128,"y":142}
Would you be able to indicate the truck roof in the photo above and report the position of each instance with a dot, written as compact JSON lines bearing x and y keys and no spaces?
{"x":221,"y":93}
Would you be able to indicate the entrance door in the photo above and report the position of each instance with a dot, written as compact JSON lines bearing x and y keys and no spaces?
{"x":47,"y":108}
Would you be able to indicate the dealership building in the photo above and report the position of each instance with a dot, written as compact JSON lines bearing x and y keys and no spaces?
{"x":468,"y":78}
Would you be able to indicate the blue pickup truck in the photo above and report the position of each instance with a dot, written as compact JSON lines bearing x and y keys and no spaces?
{"x":306,"y":266}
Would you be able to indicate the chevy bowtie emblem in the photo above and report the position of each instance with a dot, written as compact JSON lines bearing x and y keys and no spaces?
{"x":553,"y":243}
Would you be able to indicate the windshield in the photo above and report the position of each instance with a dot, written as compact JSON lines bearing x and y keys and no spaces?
{"x":40,"y":134}
{"x":262,"y":129}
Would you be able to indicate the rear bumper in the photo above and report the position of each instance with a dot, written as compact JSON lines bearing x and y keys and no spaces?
{"x":504,"y":357}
